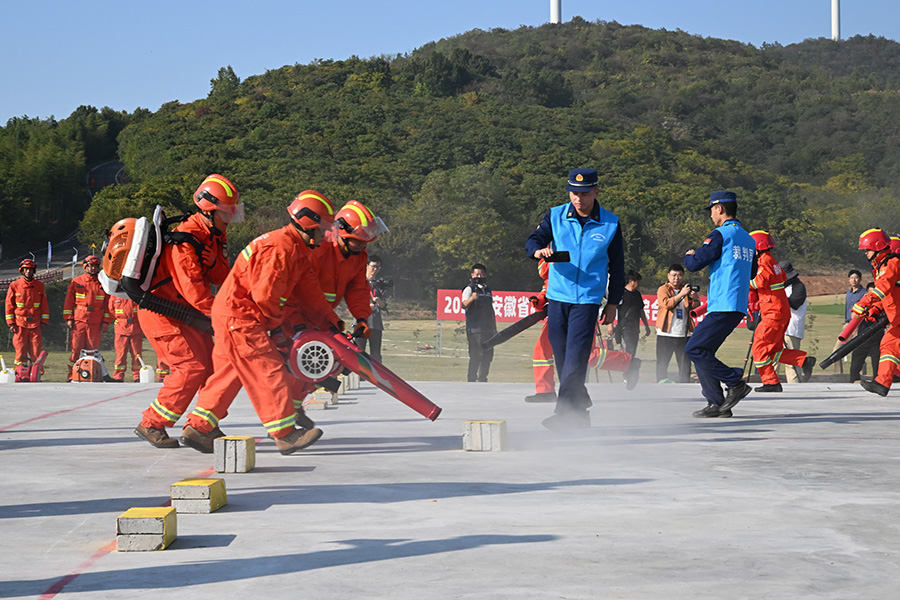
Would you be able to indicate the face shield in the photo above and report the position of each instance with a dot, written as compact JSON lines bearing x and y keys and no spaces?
{"x":364,"y":232}
{"x":231,"y":213}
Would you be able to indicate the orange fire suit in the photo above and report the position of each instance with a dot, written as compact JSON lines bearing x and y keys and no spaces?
{"x":273,"y":283}
{"x":129,"y":338}
{"x":26,"y":308}
{"x":775,"y":314}
{"x":183,"y":277}
{"x":886,"y":272}
{"x":87,"y":305}
{"x":542,"y":356}
{"x":343,"y":277}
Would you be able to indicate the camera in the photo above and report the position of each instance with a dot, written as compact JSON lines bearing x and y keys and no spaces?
{"x":694,"y":288}
{"x":383,"y":286}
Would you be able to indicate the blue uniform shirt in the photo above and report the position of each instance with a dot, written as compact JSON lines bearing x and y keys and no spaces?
{"x":596,"y":252}
{"x":730,"y":253}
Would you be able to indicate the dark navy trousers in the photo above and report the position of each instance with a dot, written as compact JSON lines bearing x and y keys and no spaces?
{"x":701,"y":349}
{"x":571,"y":329}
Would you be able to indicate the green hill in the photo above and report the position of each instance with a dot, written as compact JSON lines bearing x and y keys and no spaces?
{"x":463,"y":144}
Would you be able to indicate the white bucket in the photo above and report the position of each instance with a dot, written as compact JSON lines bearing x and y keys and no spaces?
{"x":6,"y":376}
{"x":147,"y":374}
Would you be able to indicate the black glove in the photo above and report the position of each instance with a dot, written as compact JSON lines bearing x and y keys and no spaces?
{"x":362,"y":329}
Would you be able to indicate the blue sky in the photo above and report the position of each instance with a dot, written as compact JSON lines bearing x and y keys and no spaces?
{"x":59,"y":54}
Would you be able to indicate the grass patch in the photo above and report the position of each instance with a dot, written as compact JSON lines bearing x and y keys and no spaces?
{"x":410,"y":349}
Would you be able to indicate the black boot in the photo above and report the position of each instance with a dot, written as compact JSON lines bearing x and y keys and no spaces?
{"x":770,"y":387}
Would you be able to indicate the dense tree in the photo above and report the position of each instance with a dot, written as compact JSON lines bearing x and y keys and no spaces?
{"x":464,"y":144}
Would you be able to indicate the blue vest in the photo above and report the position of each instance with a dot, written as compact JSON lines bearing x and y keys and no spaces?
{"x":729,"y":277}
{"x":583,"y":280}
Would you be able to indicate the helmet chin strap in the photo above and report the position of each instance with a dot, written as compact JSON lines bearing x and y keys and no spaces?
{"x":211,"y":222}
{"x":345,"y":248}
{"x":308,"y":236}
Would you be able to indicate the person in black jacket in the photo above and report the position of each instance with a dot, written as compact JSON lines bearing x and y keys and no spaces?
{"x":796,"y":293}
{"x":631,"y":314}
{"x":481,"y":323}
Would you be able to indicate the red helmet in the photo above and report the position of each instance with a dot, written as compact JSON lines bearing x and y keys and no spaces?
{"x":311,"y":210}
{"x":763,"y":240}
{"x":90,"y":260}
{"x":875,"y":240}
{"x":356,"y":221}
{"x":895,"y":244}
{"x":217,"y":193}
{"x":27,"y":263}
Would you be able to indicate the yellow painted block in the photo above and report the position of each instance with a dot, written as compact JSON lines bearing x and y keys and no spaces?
{"x":199,"y":495}
{"x":143,"y":529}
{"x":319,"y":400}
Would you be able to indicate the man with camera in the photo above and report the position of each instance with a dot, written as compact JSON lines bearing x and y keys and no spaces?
{"x":481,"y":324}
{"x":379,"y":287}
{"x":674,"y":324}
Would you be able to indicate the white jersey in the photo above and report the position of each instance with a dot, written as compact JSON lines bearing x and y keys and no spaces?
{"x":797,"y":325}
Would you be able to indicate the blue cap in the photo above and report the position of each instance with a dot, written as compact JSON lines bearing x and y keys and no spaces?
{"x":720,"y":197}
{"x":581,"y":180}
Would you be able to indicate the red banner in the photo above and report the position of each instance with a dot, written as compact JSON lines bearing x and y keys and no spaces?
{"x":509,"y":307}
{"x":512,"y":306}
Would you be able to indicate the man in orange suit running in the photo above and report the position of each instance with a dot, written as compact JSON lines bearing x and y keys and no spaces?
{"x":767,"y":288}
{"x":272,"y":287}
{"x":185,"y":275}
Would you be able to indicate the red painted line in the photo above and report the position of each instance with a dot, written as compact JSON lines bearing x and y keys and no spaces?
{"x":843,"y":439}
{"x":57,"y":587}
{"x":61,"y":412}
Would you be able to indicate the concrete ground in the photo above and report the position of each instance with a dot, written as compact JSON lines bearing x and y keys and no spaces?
{"x":795,"y":497}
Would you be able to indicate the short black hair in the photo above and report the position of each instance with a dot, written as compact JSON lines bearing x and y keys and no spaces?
{"x":854,"y":272}
{"x":375,"y":259}
{"x":479,"y":266}
{"x":870,"y":285}
{"x":676,"y":267}
{"x":632,"y":276}
{"x":730,"y":208}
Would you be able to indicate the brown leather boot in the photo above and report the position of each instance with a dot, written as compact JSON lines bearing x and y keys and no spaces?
{"x":297,"y":440}
{"x":156,"y":436}
{"x":198,"y":440}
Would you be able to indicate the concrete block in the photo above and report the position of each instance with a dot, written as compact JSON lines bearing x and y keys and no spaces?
{"x":319,"y":400}
{"x":145,"y":529}
{"x":484,"y":436}
{"x":353,"y":381}
{"x":199,"y":495}
{"x":343,"y":381}
{"x":234,"y":454}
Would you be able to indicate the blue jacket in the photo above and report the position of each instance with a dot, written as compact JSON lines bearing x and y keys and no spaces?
{"x":730,"y":253}
{"x":596,"y":251}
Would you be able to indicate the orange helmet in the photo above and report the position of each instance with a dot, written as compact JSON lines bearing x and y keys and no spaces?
{"x":90,"y":260}
{"x":895,"y":244}
{"x":27,"y":263}
{"x":311,"y":210}
{"x":763,"y":240}
{"x":356,"y":221}
{"x":875,"y":240}
{"x":217,"y":193}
